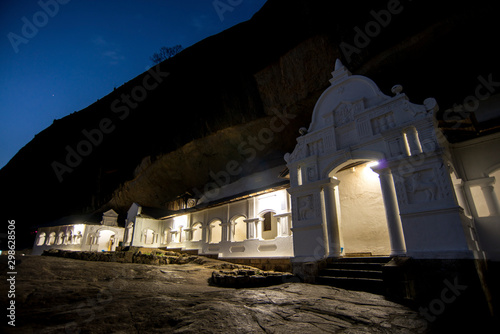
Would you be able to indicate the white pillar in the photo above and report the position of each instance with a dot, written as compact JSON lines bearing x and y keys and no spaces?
{"x":491,"y":198}
{"x":396,"y":235}
{"x":205,"y":233}
{"x":331,"y":219}
{"x":224,"y":230}
{"x":462,"y":200}
{"x":258,"y":228}
{"x":231,"y":230}
{"x":413,"y":143}
{"x":189,"y":234}
{"x":283,"y":224}
{"x":251,"y":228}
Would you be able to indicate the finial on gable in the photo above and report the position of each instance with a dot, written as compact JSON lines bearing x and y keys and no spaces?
{"x":340,"y":72}
{"x":338,"y":64}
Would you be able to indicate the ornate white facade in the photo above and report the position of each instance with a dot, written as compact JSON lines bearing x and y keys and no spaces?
{"x":355,"y":123}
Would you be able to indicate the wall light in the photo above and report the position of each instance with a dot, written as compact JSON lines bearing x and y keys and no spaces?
{"x":372,"y":164}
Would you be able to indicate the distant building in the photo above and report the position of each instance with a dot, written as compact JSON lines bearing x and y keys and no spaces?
{"x":80,"y":233}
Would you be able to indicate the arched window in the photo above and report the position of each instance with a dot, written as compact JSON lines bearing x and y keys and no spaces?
{"x":52,"y":238}
{"x":60,"y":238}
{"x":269,"y":226}
{"x":41,"y":239}
{"x":240,"y":229}
{"x":197,"y":232}
{"x":215,"y":232}
{"x":148,"y":236}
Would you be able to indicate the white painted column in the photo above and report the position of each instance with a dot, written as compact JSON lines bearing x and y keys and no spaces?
{"x":331,"y":219}
{"x":413,"y":143}
{"x":205,"y":233}
{"x":231,"y":230}
{"x":251,"y":232}
{"x":224,"y":230}
{"x":258,"y":228}
{"x":462,"y":200}
{"x":396,"y":235}
{"x":490,"y":197}
{"x":283,"y":224}
{"x":189,"y":234}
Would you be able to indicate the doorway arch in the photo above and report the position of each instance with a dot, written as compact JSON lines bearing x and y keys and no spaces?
{"x":360,"y":206}
{"x":107,"y":241}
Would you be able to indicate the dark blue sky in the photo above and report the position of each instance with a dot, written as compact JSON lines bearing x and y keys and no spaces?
{"x":61,"y":59}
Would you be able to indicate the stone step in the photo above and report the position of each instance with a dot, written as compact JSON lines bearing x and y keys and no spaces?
{"x":363,"y":259}
{"x":371,"y":285}
{"x":355,"y":273}
{"x":190,"y":251}
{"x":355,"y":266}
{"x":352,"y":273}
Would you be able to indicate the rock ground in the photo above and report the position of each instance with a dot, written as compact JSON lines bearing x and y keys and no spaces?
{"x":59,"y":295}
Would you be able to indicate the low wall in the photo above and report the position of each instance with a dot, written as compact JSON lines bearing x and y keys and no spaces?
{"x":274,"y":264}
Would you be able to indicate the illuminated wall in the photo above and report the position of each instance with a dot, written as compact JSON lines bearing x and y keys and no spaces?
{"x":363,"y":222}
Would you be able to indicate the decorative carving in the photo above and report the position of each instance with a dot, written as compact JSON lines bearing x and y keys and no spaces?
{"x":297,"y":154}
{"x":383,"y":123}
{"x":363,"y":126}
{"x":311,"y":174}
{"x":444,"y":174}
{"x":426,"y":185}
{"x":397,"y":89}
{"x":191,"y":203}
{"x":413,"y":109}
{"x":401,"y":192}
{"x":315,"y":148}
{"x":343,"y":114}
{"x":306,"y":207}
{"x":431,"y":104}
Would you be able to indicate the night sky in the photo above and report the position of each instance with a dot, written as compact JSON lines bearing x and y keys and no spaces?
{"x":60,"y":56}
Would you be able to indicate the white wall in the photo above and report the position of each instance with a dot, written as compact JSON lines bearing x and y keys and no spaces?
{"x":211,"y":237}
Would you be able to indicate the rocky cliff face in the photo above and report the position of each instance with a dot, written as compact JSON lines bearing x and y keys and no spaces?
{"x":175,"y":127}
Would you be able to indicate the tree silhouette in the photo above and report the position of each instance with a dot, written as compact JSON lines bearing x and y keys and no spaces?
{"x":165,"y":53}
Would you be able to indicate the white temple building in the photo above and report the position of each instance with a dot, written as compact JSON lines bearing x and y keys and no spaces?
{"x":80,"y":233}
{"x":371,"y":175}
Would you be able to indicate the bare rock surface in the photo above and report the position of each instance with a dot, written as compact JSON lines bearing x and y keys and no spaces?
{"x":59,"y":295}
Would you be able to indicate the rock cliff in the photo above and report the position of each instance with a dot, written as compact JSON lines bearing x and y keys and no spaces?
{"x":234,"y":102}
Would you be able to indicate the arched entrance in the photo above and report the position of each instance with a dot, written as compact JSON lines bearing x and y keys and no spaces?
{"x":107,"y":241}
{"x":360,"y":206}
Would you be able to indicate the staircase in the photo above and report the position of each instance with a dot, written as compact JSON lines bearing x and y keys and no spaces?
{"x":354,"y":273}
